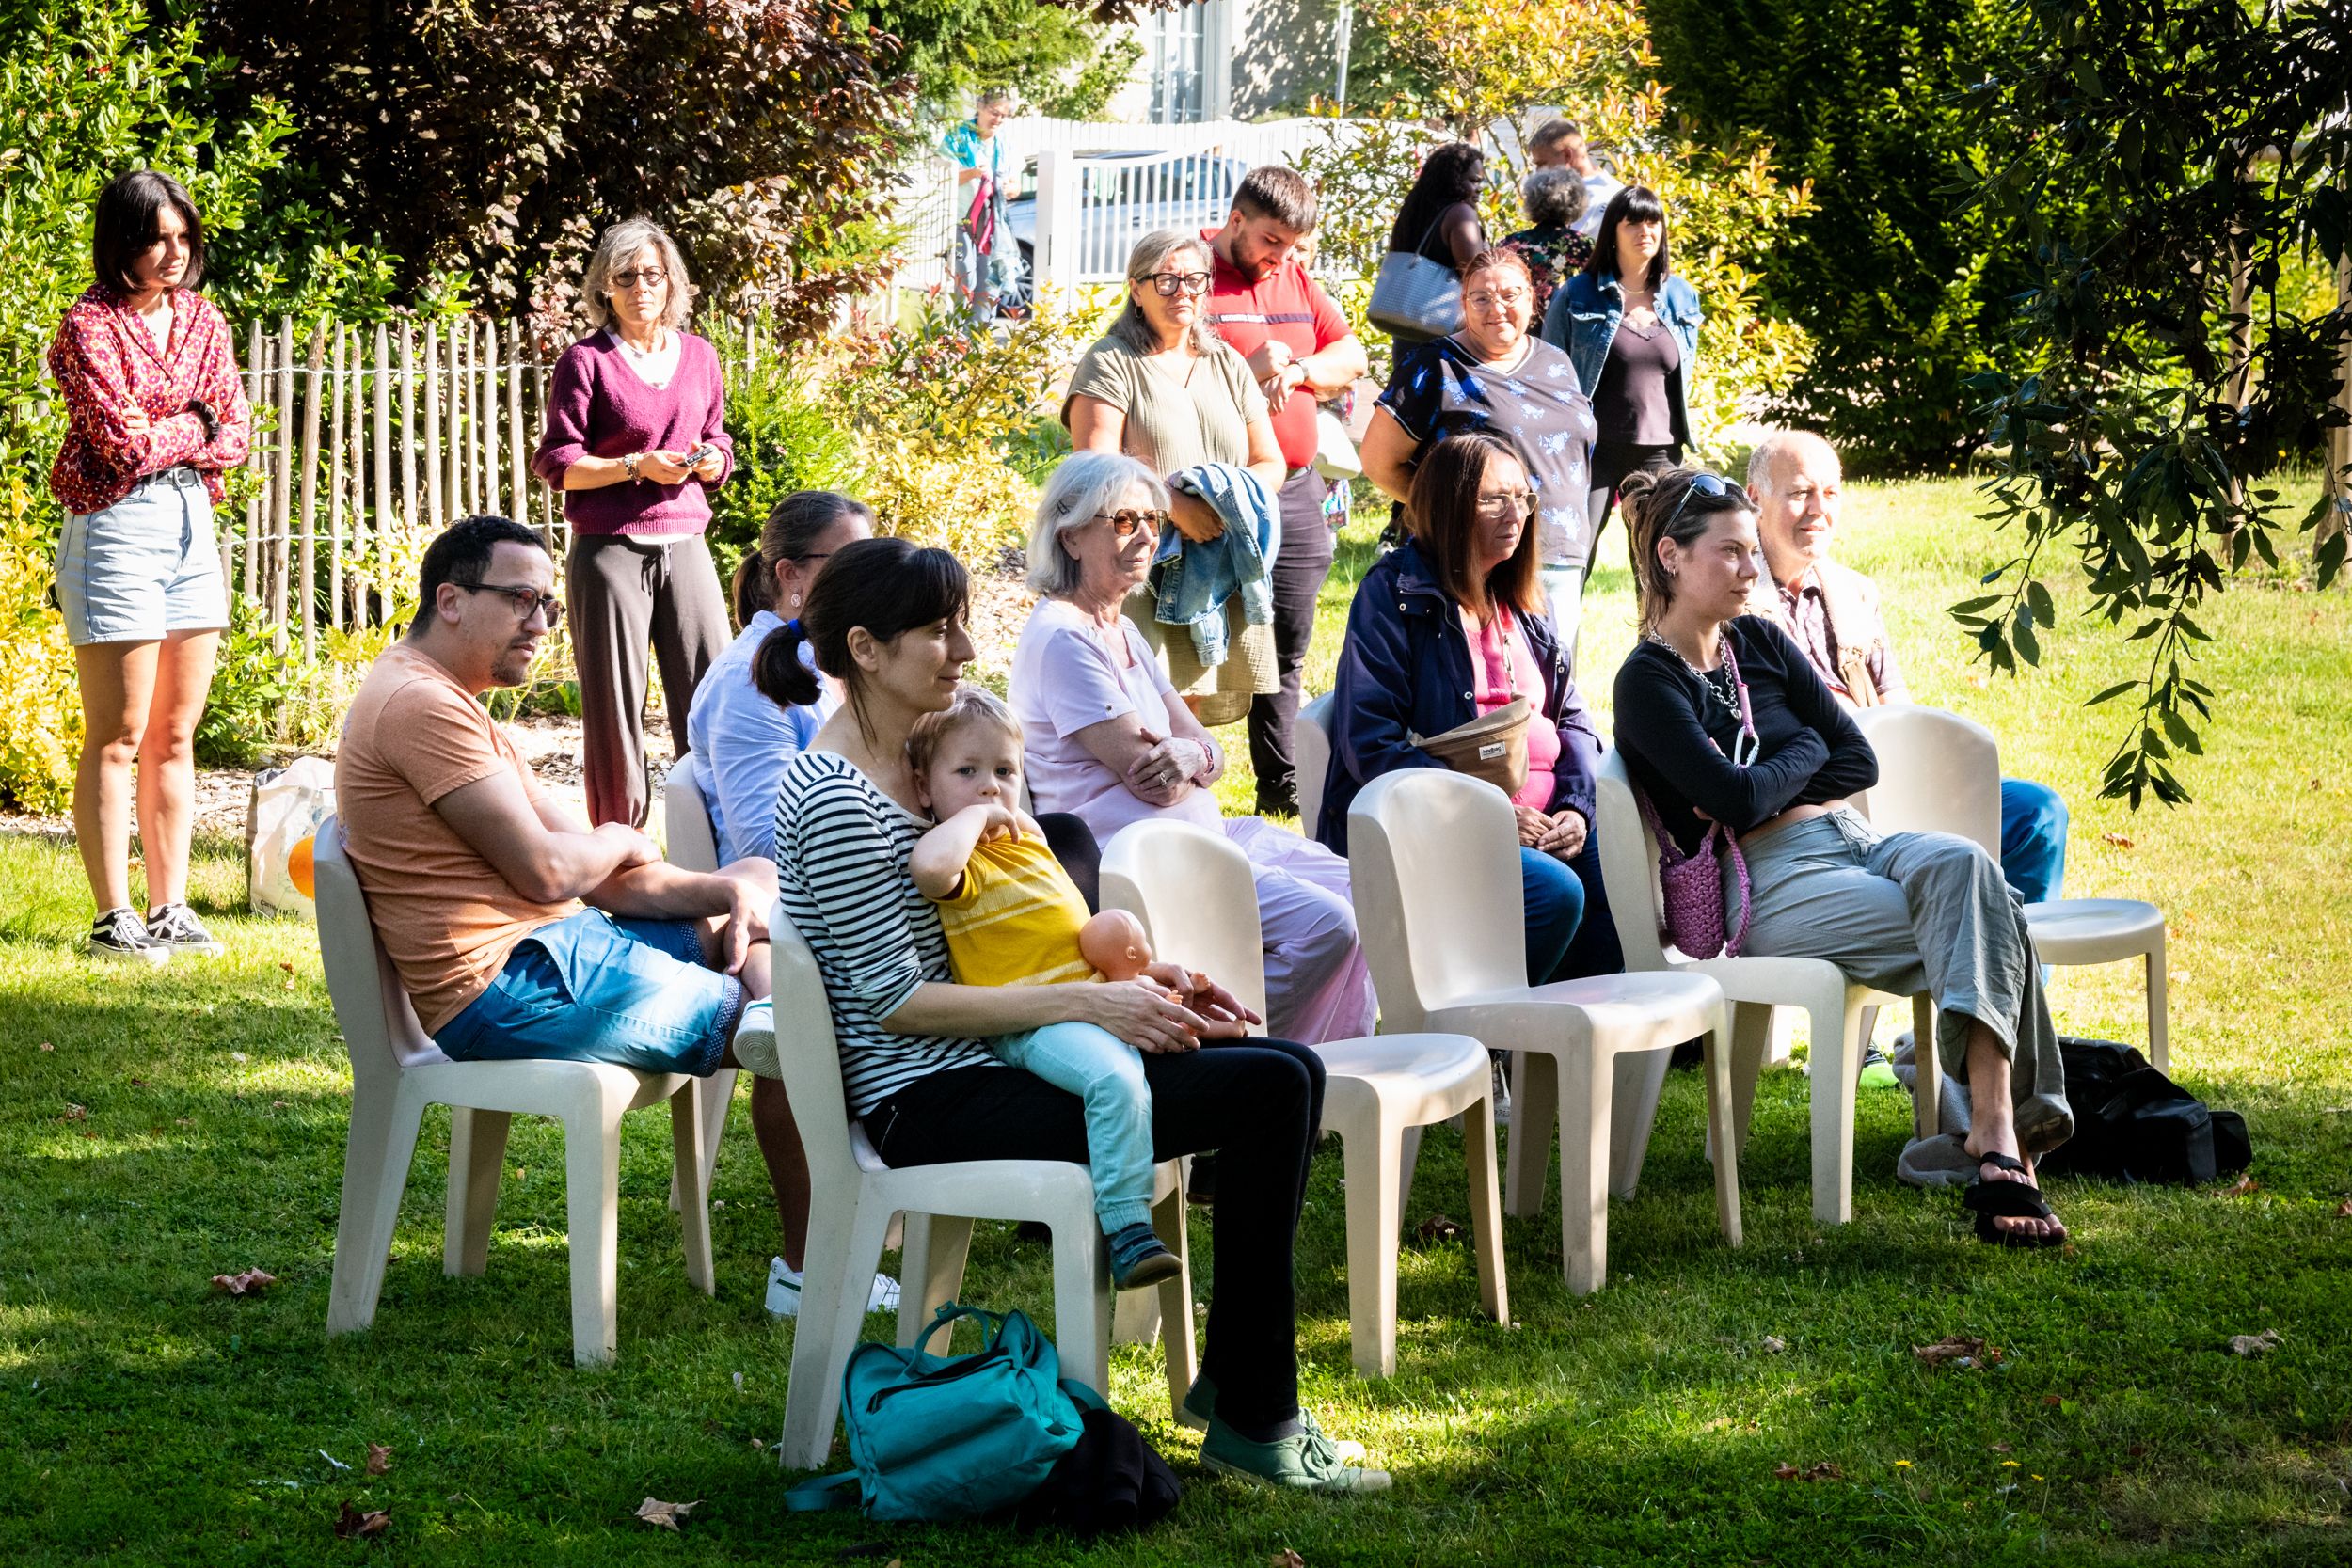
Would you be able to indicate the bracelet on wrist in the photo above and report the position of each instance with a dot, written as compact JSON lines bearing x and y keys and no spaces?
{"x":629,"y":464}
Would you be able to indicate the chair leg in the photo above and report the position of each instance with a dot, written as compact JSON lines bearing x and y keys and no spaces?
{"x":845,"y":1237}
{"x":1535,"y":1105}
{"x":591,"y":1201}
{"x":1640,"y":1083}
{"x":689,"y":1180}
{"x":1926,"y":1094}
{"x":1371,"y":1157}
{"x":1082,"y":1302}
{"x":1836,"y":1048}
{"x":382,"y":1141}
{"x":943,"y":1259}
{"x":1587,"y":1076}
{"x":2159,"y":1017}
{"x":1718,"y":1051}
{"x":1175,"y":1297}
{"x":1751,"y":1039}
{"x":477,"y":1158}
{"x":718,"y":1093}
{"x":1485,"y":1207}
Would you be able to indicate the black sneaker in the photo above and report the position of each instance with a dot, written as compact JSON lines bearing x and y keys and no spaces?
{"x":175,"y":928}
{"x":121,"y":934}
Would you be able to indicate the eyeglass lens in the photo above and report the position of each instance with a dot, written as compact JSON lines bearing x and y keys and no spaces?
{"x":1169,"y":283}
{"x":641,"y":274}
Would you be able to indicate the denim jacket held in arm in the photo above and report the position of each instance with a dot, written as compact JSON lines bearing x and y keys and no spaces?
{"x":1583,"y":321}
{"x":1191,"y":583}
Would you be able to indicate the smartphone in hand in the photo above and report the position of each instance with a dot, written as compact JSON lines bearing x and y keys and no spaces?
{"x":694,"y":459}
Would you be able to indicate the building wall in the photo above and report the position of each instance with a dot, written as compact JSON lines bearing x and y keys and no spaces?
{"x":1259,"y":56}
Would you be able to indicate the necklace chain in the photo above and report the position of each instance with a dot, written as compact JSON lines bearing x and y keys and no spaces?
{"x":1707,"y":678}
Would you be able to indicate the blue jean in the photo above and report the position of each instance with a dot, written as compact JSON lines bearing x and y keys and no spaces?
{"x":590,"y":988}
{"x":1107,"y":1074}
{"x":2033,"y":839}
{"x":1555,"y":910}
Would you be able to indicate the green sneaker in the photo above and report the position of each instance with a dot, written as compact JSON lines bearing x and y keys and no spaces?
{"x":1200,"y":1409}
{"x":1305,"y":1459}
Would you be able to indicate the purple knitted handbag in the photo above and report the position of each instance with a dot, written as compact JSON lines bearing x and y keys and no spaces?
{"x":1691,"y":885}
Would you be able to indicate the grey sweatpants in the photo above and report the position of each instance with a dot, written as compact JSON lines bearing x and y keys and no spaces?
{"x":624,"y":594}
{"x":1908,"y":913}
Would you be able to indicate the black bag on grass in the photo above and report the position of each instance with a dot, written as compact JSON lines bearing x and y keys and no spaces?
{"x":2134,"y":1124}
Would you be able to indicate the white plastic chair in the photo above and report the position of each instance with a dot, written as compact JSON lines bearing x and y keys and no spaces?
{"x":1939,"y":773}
{"x":853,"y":1196}
{"x":396,"y":1071}
{"x":1197,"y":897}
{"x":1434,"y":859}
{"x":1310,"y":751}
{"x":1840,"y":1011}
{"x":694,"y":845}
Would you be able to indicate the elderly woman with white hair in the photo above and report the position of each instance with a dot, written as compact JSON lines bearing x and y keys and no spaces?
{"x":636,"y":441}
{"x":1106,"y":738}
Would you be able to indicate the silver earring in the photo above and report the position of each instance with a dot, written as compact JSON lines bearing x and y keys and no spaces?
{"x":796,"y":601}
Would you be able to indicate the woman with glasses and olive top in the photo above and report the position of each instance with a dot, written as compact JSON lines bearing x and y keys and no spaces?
{"x":154,"y":416}
{"x":1104,"y":738}
{"x":1439,"y":217}
{"x":636,"y":441}
{"x":1631,"y":328}
{"x":1722,"y":720}
{"x":1493,"y":375}
{"x":1446,"y":628}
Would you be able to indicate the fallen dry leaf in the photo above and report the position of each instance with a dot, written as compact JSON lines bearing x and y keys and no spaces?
{"x":655,"y":1512}
{"x":2121,"y":840}
{"x":2052,"y":1400}
{"x":1958,"y":1349}
{"x":2000,"y":1447}
{"x":46,"y":1046}
{"x":2344,"y":1209}
{"x":1438,"y":1228}
{"x":1772,"y":1344}
{"x":138,"y":1083}
{"x":352,"y":1525}
{"x":74,"y":1112}
{"x":239,"y":1056}
{"x":250,"y":1283}
{"x":2243,"y":1185}
{"x":1825,"y":1470}
{"x":2256,"y":1345}
{"x":1286,"y":1558}
{"x":379,"y":1458}
{"x":287,"y":967}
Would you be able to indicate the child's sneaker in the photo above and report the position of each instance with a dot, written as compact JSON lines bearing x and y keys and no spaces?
{"x":175,"y":928}
{"x":1137,"y":1257}
{"x":121,"y":935}
{"x":783,"y":1291}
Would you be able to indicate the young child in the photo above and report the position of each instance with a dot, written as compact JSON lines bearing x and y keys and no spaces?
{"x":1012,"y":917}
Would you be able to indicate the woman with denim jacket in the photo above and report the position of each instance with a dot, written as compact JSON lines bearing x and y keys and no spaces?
{"x":1447,"y":627}
{"x":1631,"y":328}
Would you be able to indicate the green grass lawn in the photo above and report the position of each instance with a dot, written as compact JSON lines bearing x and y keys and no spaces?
{"x":161,"y":1128}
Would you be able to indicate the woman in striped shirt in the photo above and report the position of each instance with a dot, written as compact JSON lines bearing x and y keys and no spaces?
{"x":886,"y":619}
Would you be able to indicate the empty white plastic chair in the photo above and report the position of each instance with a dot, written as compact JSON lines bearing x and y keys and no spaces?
{"x":1194,"y":891}
{"x":396,"y":1071}
{"x":1434,"y":859}
{"x":694,"y":845}
{"x":1310,"y":751}
{"x":853,"y":1196}
{"x":1939,"y":773}
{"x":1840,"y":1010}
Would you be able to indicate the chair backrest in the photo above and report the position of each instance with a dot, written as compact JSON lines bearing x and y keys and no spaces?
{"x":1310,"y":745}
{"x":693,"y":842}
{"x":379,"y":1027}
{"x":1628,"y":865}
{"x":807,"y":1053}
{"x":1197,"y":898}
{"x":1938,"y":773}
{"x":1433,"y":863}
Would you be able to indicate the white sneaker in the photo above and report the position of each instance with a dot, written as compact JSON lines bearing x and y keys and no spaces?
{"x":755,"y":1043}
{"x":1500,"y":1088}
{"x":783,"y":1291}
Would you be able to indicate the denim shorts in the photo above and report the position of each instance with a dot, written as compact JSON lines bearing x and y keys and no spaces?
{"x":147,"y":565}
{"x":592,"y":988}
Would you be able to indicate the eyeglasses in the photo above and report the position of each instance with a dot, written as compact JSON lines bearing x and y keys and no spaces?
{"x":813,"y":555}
{"x":1127,"y":520}
{"x":653,"y":276}
{"x":1714,"y":488}
{"x":1171,"y":283}
{"x":1499,"y":299}
{"x":1522,"y":502}
{"x":527,"y":601}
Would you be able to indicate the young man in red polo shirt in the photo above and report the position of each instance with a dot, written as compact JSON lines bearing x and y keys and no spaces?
{"x":1301,"y":348}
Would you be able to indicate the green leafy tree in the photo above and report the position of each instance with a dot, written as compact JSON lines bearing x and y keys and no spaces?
{"x":2177,"y":166}
{"x":952,"y":47}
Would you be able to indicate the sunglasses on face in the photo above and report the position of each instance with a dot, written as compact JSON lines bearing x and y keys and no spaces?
{"x":651,"y":276}
{"x":1713,"y":486}
{"x":527,"y":601}
{"x":1127,"y":520}
{"x":1169,"y":284}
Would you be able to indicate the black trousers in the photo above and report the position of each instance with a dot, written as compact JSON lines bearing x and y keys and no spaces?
{"x":1612,"y":462}
{"x":1299,"y":567}
{"x":1258,"y":1103}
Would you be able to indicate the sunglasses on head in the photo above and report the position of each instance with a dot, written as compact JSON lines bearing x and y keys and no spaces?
{"x":1714,"y":488}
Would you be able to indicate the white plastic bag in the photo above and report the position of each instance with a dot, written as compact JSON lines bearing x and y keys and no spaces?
{"x":282,"y":835}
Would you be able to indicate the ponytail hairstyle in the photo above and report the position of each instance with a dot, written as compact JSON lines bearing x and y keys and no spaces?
{"x":885,"y":585}
{"x":791,"y":532}
{"x":1679,"y":504}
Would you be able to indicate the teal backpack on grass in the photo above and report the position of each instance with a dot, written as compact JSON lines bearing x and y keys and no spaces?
{"x":953,"y":1437}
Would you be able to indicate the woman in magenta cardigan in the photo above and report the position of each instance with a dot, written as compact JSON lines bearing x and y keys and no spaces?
{"x":636,"y":442}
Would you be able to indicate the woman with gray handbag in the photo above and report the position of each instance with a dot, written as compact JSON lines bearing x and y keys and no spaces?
{"x":1416,"y":296}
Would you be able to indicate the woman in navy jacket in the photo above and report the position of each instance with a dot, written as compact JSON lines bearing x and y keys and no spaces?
{"x":1447,"y":626}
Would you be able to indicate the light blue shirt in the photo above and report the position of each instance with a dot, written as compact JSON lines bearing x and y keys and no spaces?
{"x":742,"y":742}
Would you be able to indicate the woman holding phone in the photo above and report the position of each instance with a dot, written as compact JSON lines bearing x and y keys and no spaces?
{"x":636,"y":441}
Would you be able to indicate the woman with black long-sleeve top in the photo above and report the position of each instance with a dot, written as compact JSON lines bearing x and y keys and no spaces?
{"x":1722,"y":719}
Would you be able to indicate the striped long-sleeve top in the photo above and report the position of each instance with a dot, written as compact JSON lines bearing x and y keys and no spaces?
{"x":842,"y":852}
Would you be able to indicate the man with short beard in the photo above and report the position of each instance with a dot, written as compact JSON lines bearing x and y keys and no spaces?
{"x":1299,"y":346}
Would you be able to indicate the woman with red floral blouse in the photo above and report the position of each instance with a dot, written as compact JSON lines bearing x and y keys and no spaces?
{"x":155,"y":416}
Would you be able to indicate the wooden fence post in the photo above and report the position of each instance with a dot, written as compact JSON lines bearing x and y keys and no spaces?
{"x":517,"y":461}
{"x":335,"y":489}
{"x":256,"y":504}
{"x":305,"y":600}
{"x":281,"y":521}
{"x":383,"y":474}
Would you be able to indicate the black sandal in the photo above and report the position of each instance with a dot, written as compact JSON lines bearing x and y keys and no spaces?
{"x":1998,"y":1200}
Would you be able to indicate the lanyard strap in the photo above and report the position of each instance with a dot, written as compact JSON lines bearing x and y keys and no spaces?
{"x":1744,"y":750}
